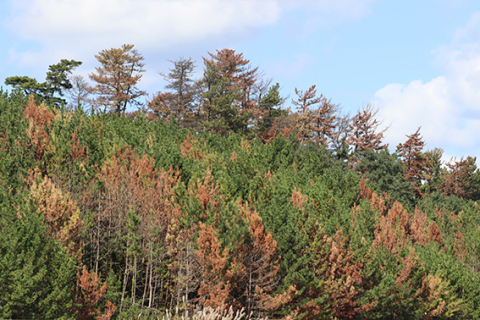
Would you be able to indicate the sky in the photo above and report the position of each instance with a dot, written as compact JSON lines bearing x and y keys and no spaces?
{"x":417,"y":62}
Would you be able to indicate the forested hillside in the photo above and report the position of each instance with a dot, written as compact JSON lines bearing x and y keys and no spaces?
{"x":216,"y":194}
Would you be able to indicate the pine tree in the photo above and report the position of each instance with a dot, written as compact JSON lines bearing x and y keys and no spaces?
{"x":57,"y":82}
{"x":229,"y":85}
{"x":324,"y":123}
{"x":304,"y":114}
{"x":255,"y":267}
{"x":89,"y":296}
{"x":117,"y":78}
{"x":36,"y":275}
{"x":268,"y":112}
{"x":413,"y":161}
{"x":433,"y":172}
{"x":214,"y":288}
{"x":181,"y":101}
{"x":458,"y":181}
{"x":364,"y":135}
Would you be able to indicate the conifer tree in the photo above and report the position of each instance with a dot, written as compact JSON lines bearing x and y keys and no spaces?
{"x":433,"y":172}
{"x":268,"y":111}
{"x":79,"y":93}
{"x":364,"y":135}
{"x":181,"y":102}
{"x":57,"y":82}
{"x":39,"y":119}
{"x":117,"y":78}
{"x":458,"y":181}
{"x":60,"y":213}
{"x":89,"y":296}
{"x":413,"y":161}
{"x":255,"y":266}
{"x":229,"y":85}
{"x":324,"y":122}
{"x":36,"y":275}
{"x":303,"y":116}
{"x":215,"y":286}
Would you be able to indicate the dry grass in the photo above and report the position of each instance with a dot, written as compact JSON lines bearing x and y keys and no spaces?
{"x":208,"y":313}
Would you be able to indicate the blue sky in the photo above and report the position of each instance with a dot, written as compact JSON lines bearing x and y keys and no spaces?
{"x":418,"y":62}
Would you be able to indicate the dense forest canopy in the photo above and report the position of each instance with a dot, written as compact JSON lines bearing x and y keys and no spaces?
{"x":219,"y":193}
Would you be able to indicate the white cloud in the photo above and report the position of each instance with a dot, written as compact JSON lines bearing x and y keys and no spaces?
{"x":147,"y":23}
{"x":447,"y":107}
{"x":50,"y":30}
{"x":158,"y":25}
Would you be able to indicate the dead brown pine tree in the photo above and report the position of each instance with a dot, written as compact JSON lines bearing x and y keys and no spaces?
{"x":117,"y":78}
{"x":413,"y":161}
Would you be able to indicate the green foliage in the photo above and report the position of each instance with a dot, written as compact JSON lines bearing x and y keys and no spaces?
{"x":221,"y":111}
{"x":385,"y":173}
{"x":36,"y":275}
{"x":142,"y":215}
{"x":56,"y":82}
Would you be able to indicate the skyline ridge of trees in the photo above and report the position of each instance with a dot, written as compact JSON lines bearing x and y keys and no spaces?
{"x":214,"y":195}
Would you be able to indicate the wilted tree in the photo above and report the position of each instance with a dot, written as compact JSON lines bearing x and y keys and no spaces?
{"x":364,"y":131}
{"x":79,"y":92}
{"x":315,"y":118}
{"x":413,"y":161}
{"x":303,"y":117}
{"x":458,"y":181}
{"x":324,"y":122}
{"x":117,"y":78}
{"x":338,"y":143}
{"x":181,"y":101}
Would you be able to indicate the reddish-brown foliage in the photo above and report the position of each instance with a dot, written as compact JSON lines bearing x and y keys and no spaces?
{"x":413,"y":161}
{"x":236,"y":69}
{"x":78,"y":151}
{"x":457,"y":181}
{"x":89,"y":296}
{"x":117,"y":79}
{"x":435,"y":234}
{"x":271,"y":133}
{"x":339,"y":278}
{"x":287,"y":130}
{"x":133,"y":182}
{"x":214,"y":287}
{"x":60,"y":213}
{"x":298,"y":198}
{"x":460,"y":247}
{"x":205,"y":190}
{"x":304,"y":115}
{"x":324,"y":122}
{"x":234,"y":156}
{"x":419,"y":224}
{"x":363,"y":135}
{"x":376,"y":202}
{"x":191,"y":148}
{"x":392,"y":229}
{"x":255,"y":266}
{"x":39,"y":118}
{"x":130,"y":186}
{"x":160,"y":107}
